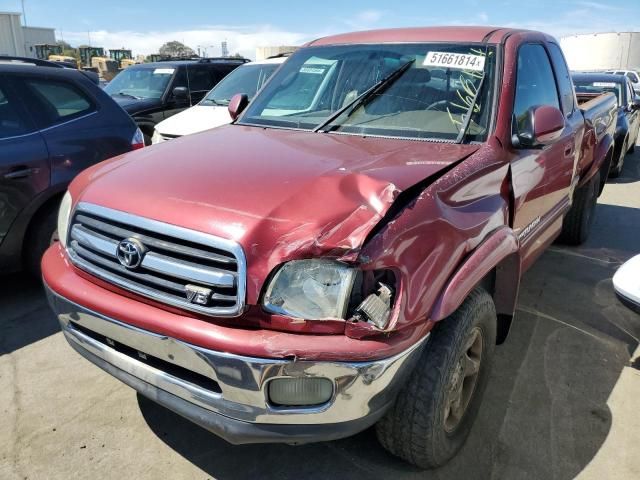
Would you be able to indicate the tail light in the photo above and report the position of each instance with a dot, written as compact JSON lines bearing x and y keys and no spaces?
{"x":137,"y":141}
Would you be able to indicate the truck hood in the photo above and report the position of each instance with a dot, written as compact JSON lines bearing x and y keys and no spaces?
{"x":281,"y":194}
{"x":194,"y":119}
{"x":134,"y":105}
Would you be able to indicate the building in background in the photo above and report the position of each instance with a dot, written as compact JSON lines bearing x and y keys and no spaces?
{"x":266,"y":52}
{"x":17,"y":40}
{"x":37,"y":35}
{"x":602,"y":51}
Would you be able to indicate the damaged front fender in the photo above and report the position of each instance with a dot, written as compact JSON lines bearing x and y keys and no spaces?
{"x":428,"y":240}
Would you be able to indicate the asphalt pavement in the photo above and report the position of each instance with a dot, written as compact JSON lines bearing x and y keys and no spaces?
{"x":563,"y":400}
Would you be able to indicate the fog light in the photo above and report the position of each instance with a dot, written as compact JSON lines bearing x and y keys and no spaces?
{"x":300,"y":392}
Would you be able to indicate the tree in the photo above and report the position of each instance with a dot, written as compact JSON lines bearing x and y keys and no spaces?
{"x":176,"y":49}
{"x":64,"y":45}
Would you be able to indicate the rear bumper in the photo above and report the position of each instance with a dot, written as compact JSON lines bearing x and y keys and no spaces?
{"x":227,"y":393}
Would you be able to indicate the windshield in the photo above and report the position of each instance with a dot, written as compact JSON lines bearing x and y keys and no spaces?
{"x":140,"y":82}
{"x":428,"y":96}
{"x":245,"y":79}
{"x":596,"y":88}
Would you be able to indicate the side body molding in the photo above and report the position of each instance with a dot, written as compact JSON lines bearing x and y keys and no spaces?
{"x":500,"y":252}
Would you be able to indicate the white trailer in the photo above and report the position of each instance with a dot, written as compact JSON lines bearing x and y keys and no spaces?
{"x":602,"y":51}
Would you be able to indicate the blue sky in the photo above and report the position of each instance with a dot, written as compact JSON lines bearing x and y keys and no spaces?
{"x":144,"y":25}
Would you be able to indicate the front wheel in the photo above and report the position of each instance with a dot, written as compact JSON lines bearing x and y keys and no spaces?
{"x":433,"y":413}
{"x":617,"y":169}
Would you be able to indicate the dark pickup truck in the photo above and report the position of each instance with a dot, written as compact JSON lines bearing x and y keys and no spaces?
{"x":590,"y":85}
{"x":346,"y":253}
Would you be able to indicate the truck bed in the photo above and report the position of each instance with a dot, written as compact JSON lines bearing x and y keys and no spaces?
{"x":599,"y":112}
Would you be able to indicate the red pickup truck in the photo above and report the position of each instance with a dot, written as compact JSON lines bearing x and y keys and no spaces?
{"x":348,"y":251}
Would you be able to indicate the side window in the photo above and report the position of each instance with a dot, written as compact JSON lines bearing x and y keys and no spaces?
{"x":12,"y":120}
{"x":61,"y":100}
{"x":180,"y":79}
{"x":565,"y":85}
{"x":631,"y":95}
{"x":535,"y":83}
{"x":200,"y":78}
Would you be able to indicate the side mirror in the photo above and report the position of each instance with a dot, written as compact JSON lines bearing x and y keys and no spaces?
{"x":237,"y":104}
{"x":180,"y":93}
{"x":543,"y":125}
{"x":635,"y":104}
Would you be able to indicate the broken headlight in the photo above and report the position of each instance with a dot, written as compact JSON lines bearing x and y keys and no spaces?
{"x":310,"y":289}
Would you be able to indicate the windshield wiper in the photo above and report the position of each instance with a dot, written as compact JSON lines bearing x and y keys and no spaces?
{"x":122,"y":94}
{"x":219,"y":103}
{"x":365,"y":96}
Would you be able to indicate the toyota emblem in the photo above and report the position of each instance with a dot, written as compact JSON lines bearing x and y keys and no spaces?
{"x":130,"y":253}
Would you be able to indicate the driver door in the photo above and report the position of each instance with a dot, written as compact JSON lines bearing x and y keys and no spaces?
{"x":535,"y":171}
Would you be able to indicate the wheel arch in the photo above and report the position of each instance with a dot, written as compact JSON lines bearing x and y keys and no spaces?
{"x":51,"y":202}
{"x":495,"y":266}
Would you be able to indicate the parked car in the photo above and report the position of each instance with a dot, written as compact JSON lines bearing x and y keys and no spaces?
{"x":589,"y":85}
{"x":346,"y":253}
{"x":212,"y":110}
{"x":626,"y":283}
{"x":152,"y":92}
{"x":632,"y":75}
{"x":54,"y":122}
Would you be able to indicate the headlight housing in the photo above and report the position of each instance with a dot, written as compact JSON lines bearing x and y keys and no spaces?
{"x":63,"y":218}
{"x":310,"y":289}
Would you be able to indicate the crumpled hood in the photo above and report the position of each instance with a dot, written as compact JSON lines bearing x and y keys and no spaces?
{"x":281,"y":194}
{"x":194,"y":119}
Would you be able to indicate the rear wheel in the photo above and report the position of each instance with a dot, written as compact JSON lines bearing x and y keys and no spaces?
{"x":434,"y":412}
{"x":42,"y":233}
{"x":576,"y":225}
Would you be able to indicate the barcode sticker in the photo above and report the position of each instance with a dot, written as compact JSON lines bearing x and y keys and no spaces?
{"x":316,"y":71}
{"x":605,"y":84}
{"x":164,"y":71}
{"x":458,"y":61}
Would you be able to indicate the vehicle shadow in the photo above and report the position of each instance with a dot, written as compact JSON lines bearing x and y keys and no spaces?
{"x":545,"y":412}
{"x":630,"y":170}
{"x":25,"y":316}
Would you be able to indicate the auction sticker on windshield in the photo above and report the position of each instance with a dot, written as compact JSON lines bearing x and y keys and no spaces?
{"x":163,"y":71}
{"x":605,"y":84}
{"x":459,"y":61}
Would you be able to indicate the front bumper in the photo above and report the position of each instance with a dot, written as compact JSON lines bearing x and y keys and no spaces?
{"x":226,"y":393}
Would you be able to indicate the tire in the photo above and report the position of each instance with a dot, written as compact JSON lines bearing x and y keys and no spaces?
{"x":576,"y":225}
{"x":42,"y":233}
{"x":617,"y":170}
{"x":417,"y":427}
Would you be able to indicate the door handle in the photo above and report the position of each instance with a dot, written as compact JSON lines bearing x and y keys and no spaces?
{"x":20,"y":173}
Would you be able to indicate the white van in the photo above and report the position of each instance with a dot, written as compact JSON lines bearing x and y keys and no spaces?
{"x":212,"y":110}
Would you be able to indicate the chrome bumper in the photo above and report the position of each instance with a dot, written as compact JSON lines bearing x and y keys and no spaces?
{"x":227,"y":393}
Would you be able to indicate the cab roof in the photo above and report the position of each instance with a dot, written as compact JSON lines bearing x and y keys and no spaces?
{"x":599,"y":77}
{"x":471,"y":34}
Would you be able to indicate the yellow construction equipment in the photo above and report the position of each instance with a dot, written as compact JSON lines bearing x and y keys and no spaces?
{"x":122,"y":57}
{"x":94,"y":59}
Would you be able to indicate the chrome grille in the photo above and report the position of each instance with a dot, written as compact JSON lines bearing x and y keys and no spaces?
{"x":175,"y":259}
